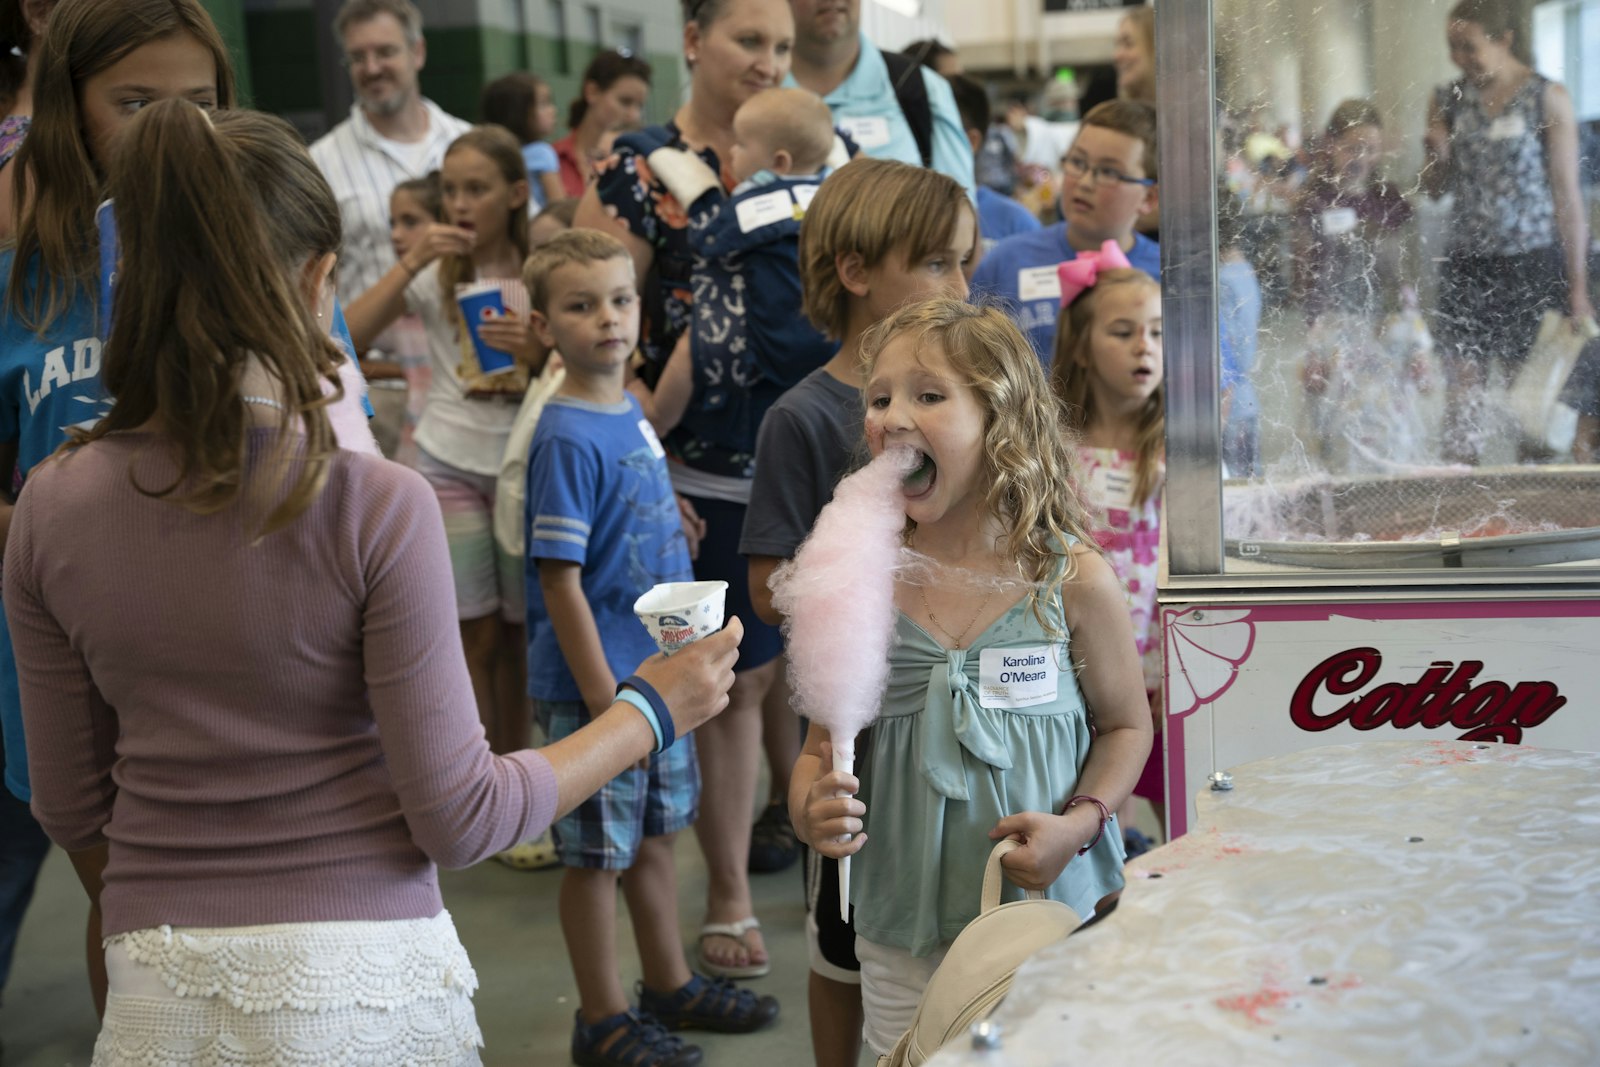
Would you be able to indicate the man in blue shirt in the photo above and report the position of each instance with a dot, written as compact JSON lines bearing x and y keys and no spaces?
{"x":1108,"y":181}
{"x":835,"y":60}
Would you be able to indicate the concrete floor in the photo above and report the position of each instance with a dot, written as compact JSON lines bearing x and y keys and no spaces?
{"x":507,"y":920}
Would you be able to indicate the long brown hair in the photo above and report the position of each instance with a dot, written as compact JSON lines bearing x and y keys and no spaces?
{"x":57,"y":184}
{"x":1069,"y":376}
{"x":501,"y":149}
{"x":1029,"y":470}
{"x":217,"y":219}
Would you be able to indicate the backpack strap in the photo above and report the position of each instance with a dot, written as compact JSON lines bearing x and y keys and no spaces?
{"x":911,"y":93}
{"x":993,"y":879}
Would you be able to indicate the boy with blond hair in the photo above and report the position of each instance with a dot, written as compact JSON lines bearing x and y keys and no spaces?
{"x":603,"y":527}
{"x":1108,"y":180}
{"x":862,"y":255}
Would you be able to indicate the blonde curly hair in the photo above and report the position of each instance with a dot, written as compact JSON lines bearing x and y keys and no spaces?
{"x":1029,"y":464}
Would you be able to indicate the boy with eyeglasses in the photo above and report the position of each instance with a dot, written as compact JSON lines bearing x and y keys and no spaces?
{"x":1108,"y":181}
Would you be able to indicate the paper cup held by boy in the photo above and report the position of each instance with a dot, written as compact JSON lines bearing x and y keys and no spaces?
{"x":481,"y":302}
{"x":679,"y":613}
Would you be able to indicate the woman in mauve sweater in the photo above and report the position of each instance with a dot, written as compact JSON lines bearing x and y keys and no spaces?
{"x":241,"y":672}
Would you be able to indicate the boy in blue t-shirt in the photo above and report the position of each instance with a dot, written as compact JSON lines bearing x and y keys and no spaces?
{"x":1108,"y":180}
{"x":603,"y":527}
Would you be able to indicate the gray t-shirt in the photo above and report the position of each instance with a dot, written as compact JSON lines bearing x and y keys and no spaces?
{"x":804,"y":447}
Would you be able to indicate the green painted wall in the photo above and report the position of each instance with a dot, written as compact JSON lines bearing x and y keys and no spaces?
{"x":283,"y":59}
{"x":460,"y":61}
{"x":230,"y":19}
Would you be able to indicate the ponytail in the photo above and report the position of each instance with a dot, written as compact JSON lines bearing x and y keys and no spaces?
{"x":204,"y":293}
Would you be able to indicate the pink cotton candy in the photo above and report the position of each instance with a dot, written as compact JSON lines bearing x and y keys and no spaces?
{"x":350,"y":429}
{"x":837,"y":597}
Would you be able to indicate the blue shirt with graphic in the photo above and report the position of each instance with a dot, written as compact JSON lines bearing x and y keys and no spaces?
{"x":1020,"y":272}
{"x":48,"y":385}
{"x":599,"y":496}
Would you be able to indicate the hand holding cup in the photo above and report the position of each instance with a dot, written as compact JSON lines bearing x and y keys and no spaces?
{"x":694,"y":681}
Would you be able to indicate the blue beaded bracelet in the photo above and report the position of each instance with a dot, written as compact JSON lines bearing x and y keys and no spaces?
{"x":634,"y":698}
{"x":659,"y":706}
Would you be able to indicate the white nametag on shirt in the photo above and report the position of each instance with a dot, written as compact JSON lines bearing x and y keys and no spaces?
{"x":1337,"y":221}
{"x":758,"y":211}
{"x":803,"y":195}
{"x":1017,"y":677}
{"x":1507,"y":126}
{"x":868,"y":131}
{"x":648,"y":432}
{"x":1038,"y":283}
{"x":1111,"y":489}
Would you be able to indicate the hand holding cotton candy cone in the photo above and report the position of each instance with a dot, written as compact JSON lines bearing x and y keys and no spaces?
{"x":837,"y":599}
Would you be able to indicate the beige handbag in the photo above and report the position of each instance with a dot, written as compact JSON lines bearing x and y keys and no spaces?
{"x":975,"y":975}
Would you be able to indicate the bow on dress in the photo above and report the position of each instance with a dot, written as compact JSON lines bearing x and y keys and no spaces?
{"x":953,"y":719}
{"x":1081,"y":273}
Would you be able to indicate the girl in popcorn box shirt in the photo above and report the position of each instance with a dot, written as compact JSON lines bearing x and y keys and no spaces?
{"x":467,"y":416}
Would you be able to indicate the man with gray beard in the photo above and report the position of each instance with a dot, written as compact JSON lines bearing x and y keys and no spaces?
{"x":393,"y":134}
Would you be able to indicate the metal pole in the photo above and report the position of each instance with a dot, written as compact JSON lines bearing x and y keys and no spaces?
{"x":1186,"y":86}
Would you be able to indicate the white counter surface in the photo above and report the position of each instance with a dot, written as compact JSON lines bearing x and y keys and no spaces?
{"x":1378,"y":903}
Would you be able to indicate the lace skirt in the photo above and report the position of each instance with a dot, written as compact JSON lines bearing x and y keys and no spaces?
{"x":348,"y":993}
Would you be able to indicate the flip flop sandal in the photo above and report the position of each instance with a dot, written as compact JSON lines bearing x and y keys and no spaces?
{"x":536,"y":855}
{"x":736,"y":931}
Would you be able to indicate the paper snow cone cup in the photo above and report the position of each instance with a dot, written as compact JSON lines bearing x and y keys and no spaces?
{"x":480,"y":302}
{"x":679,"y":613}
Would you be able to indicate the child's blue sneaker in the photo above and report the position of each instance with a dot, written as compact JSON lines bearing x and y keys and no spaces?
{"x":709,"y":1004}
{"x":631,"y":1039}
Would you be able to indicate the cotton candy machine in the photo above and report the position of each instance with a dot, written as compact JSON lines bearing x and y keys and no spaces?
{"x":1487,"y":517}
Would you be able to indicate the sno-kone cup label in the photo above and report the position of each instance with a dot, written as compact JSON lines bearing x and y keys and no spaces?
{"x":482,"y":302}
{"x":679,"y":613}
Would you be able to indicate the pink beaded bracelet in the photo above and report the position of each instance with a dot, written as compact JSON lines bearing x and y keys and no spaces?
{"x":1105,"y":817}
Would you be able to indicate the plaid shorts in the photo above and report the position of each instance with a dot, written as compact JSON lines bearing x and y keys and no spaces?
{"x":603,"y":833}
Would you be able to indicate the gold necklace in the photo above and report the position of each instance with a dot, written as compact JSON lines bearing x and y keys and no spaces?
{"x":957,"y":640}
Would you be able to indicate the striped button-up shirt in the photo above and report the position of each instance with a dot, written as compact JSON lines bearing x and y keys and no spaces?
{"x":363,"y":169}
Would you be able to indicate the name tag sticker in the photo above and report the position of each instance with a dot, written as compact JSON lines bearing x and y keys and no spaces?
{"x":1507,"y":126}
{"x":803,"y":195}
{"x":1017,"y":677}
{"x":1038,"y":283}
{"x":648,"y":432}
{"x":1337,"y":221}
{"x":869,"y":131}
{"x":758,"y":211}
{"x":1111,"y":489}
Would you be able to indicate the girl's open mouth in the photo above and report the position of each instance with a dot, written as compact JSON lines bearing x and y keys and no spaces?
{"x":919,"y":482}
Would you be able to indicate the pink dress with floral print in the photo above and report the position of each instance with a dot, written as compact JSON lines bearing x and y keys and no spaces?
{"x":1130,"y":536}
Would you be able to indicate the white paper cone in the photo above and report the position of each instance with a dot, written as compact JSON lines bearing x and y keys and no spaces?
{"x":847,"y":764}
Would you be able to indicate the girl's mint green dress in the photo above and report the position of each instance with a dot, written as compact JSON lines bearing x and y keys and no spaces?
{"x":947,"y":759}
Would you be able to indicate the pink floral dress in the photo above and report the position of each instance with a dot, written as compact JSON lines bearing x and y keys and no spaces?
{"x":1130,"y":536}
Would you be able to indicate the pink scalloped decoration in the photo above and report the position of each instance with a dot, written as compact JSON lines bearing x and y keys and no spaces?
{"x":1204,"y":655}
